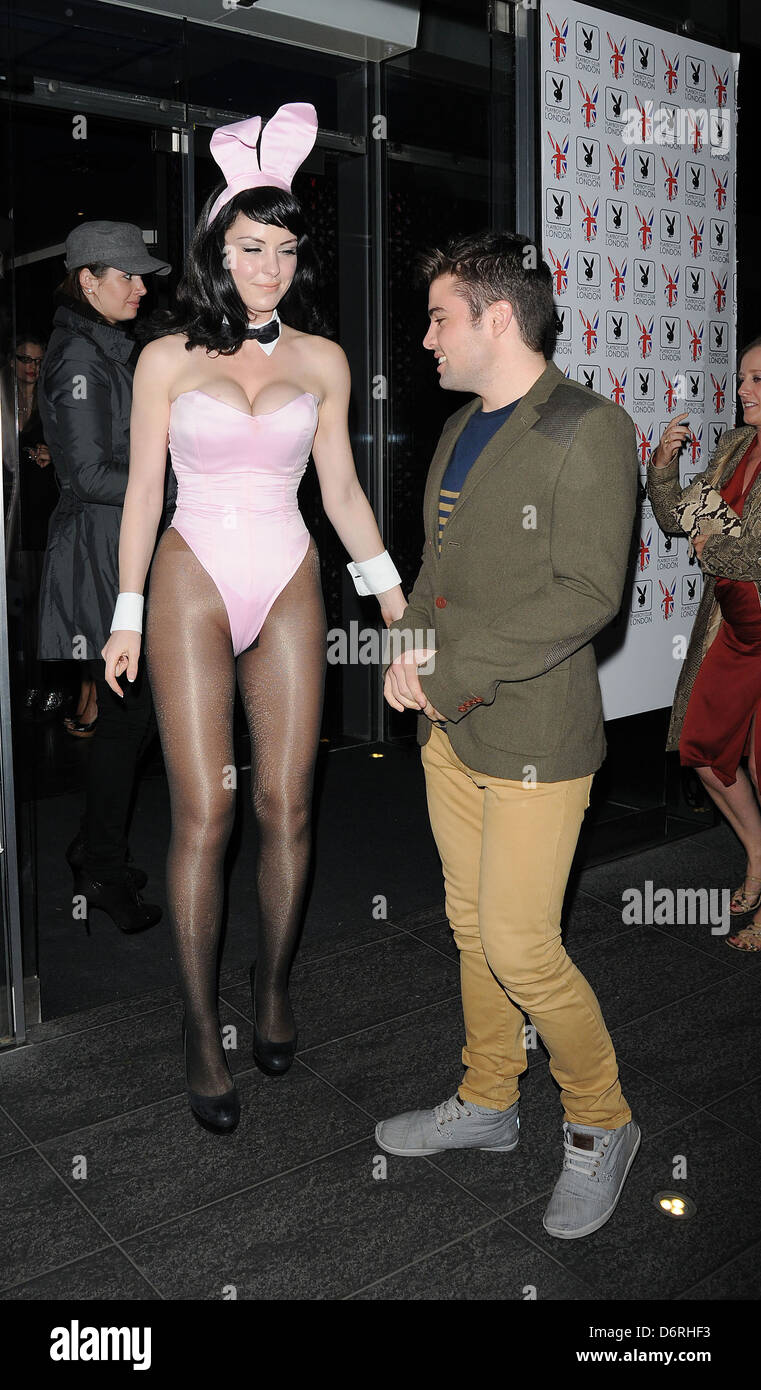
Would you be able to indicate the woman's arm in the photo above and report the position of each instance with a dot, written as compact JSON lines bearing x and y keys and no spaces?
{"x":143,"y":503}
{"x":346,"y":505}
{"x":663,"y":486}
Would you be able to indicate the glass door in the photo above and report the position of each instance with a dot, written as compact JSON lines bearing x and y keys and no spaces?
{"x":66,"y":166}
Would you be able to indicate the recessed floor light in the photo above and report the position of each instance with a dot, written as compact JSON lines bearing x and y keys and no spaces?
{"x":675,"y":1204}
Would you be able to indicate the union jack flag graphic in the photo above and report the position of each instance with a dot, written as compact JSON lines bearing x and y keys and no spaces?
{"x":559,"y":156}
{"x":559,"y":270}
{"x":589,"y":106}
{"x":645,"y":543}
{"x":617,"y":169}
{"x":719,"y":392}
{"x":617,"y":388}
{"x":696,"y":235}
{"x":671,"y":287}
{"x":645,"y":230}
{"x":671,"y":393}
{"x":645,"y":336}
{"x":671,"y":181}
{"x":720,"y":190}
{"x":618,"y":280}
{"x":667,"y":597}
{"x":645,"y":120}
{"x":672,"y":72}
{"x":696,"y":341}
{"x":589,"y":218}
{"x":644,"y":445}
{"x":696,"y":134}
{"x":719,"y":295}
{"x":558,"y":40}
{"x":617,"y":56}
{"x":589,"y":333}
{"x":695,"y":443}
{"x":720,"y":83}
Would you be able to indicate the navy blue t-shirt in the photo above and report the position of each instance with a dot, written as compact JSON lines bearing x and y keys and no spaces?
{"x":481,"y":427}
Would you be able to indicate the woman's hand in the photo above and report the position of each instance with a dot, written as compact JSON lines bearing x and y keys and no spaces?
{"x":121,"y":653}
{"x":42,"y":456}
{"x":392,"y":605}
{"x":671,"y":441}
{"x":697,"y":544}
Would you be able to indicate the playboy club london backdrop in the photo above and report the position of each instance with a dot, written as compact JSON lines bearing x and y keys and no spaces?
{"x":638,"y":188}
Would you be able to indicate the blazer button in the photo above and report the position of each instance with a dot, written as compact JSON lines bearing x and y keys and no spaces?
{"x":441,"y":602}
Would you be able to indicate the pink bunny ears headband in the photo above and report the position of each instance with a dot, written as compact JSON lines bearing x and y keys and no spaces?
{"x":286,"y":141}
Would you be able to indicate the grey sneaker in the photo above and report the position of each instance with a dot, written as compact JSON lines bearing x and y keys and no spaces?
{"x":595,"y":1165}
{"x":456,"y":1124}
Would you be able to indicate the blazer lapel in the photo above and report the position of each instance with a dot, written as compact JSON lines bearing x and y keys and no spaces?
{"x":449,"y":436}
{"x":523,"y":417}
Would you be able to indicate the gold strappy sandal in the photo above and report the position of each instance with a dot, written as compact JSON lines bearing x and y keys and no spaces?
{"x":740,"y":903}
{"x":748,"y":939}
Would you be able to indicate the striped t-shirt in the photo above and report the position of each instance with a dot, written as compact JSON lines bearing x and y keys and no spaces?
{"x":479,"y":430}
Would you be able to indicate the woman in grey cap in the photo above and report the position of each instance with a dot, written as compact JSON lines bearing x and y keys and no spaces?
{"x":85,"y":396}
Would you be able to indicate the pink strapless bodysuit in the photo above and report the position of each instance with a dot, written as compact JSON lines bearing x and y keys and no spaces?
{"x":237,"y":479}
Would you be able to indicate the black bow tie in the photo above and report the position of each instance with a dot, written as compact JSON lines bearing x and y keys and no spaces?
{"x":268,"y":332}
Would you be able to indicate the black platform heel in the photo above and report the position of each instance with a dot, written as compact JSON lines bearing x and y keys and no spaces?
{"x":273,"y":1058}
{"x":217,"y":1114}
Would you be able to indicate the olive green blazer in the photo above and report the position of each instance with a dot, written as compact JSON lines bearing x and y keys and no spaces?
{"x":532,"y":566}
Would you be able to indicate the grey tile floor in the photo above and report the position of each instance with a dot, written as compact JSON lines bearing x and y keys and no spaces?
{"x":108,"y":1190}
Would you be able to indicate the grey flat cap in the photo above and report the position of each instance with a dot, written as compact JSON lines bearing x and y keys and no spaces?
{"x":119,"y":244}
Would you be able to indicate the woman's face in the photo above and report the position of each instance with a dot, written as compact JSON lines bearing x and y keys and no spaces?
{"x":116,"y":294}
{"x":262,"y":262}
{"x":749,"y":387}
{"x":28,"y":361}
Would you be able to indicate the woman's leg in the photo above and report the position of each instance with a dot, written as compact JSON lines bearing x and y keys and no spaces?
{"x":281,"y":683}
{"x":192,"y":671}
{"x":739,"y":805}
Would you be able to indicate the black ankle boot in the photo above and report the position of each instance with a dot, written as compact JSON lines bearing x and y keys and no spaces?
{"x":75,"y":857}
{"x":273,"y":1058}
{"x":121,"y":902}
{"x":217,"y":1114}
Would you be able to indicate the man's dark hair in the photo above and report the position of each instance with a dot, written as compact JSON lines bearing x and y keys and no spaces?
{"x":499,"y":265}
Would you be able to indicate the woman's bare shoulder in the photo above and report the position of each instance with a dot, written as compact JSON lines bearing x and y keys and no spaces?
{"x":165,"y":351}
{"x":323,"y":356}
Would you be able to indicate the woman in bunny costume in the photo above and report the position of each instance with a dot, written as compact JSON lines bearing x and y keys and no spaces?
{"x":244,"y":397}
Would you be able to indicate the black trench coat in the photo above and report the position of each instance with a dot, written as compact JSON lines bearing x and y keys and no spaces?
{"x":85,"y":397}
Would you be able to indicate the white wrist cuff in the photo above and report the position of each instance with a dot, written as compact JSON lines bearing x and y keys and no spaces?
{"x":128,"y":613}
{"x":374,"y":576}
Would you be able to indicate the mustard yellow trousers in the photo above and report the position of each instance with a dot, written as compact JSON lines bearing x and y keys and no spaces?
{"x":506,"y":850}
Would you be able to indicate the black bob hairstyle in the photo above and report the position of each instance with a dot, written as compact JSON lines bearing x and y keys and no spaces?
{"x":209,"y":308}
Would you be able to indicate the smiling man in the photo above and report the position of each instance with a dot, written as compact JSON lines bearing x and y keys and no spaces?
{"x":529,"y":508}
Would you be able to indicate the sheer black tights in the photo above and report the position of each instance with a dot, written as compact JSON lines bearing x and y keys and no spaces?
{"x":192,"y":672}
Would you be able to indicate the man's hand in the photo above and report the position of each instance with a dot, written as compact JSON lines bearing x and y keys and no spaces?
{"x":434,"y":713}
{"x":402,"y":686}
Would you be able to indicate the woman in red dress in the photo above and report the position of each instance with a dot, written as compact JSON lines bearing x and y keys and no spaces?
{"x":714,"y":722}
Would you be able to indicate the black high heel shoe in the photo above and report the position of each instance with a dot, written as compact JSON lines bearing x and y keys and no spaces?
{"x":273,"y":1058}
{"x":218,"y":1114}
